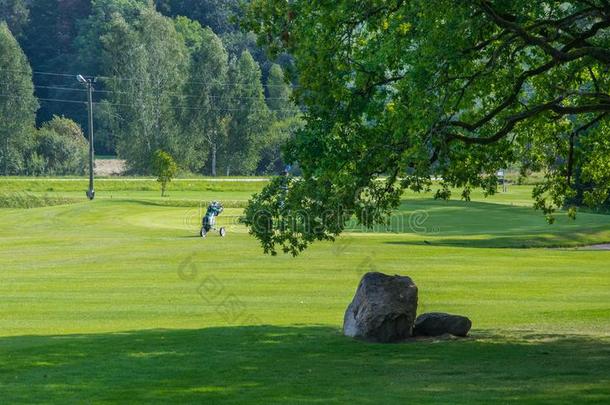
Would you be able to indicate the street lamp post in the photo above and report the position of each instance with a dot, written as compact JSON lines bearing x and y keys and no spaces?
{"x":88,"y":83}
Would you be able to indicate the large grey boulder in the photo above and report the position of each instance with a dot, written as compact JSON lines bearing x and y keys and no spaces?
{"x":383,"y":309}
{"x":438,"y":323}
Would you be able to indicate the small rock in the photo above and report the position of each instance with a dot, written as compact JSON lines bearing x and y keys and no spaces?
{"x":383,"y":309}
{"x":438,"y":323}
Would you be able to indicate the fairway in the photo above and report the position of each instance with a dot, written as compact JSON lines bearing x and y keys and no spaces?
{"x":118,"y":298}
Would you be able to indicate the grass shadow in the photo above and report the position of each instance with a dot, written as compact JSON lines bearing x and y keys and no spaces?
{"x":490,"y":225}
{"x":299,"y":364}
{"x":159,"y":202}
{"x":523,"y":241}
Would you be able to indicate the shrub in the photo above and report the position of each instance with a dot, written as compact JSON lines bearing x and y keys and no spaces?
{"x":28,"y":200}
{"x":62,"y":146}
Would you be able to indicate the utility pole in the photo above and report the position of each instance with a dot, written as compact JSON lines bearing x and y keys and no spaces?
{"x":88,"y":83}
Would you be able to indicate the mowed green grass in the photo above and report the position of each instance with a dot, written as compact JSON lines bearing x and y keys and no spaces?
{"x":117,"y":300}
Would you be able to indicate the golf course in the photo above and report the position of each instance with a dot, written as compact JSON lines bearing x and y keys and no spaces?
{"x":119,"y":299}
{"x":286,"y":202}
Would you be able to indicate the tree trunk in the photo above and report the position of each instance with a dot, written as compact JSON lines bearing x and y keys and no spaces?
{"x":5,"y":158}
{"x":214,"y":160}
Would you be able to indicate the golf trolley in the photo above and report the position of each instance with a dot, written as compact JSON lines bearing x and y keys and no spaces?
{"x":209,"y":220}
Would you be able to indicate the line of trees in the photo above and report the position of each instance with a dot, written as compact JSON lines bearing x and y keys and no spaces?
{"x":164,"y":82}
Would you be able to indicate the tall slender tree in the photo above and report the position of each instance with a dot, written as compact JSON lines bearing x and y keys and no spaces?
{"x":207,"y":117}
{"x":146,"y":61}
{"x":249,"y":116}
{"x":17,"y":104}
{"x":279,"y":93}
{"x":286,"y":123}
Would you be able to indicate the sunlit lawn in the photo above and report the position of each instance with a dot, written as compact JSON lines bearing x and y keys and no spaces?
{"x":118,"y":300}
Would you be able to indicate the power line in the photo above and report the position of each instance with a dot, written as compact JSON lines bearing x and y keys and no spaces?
{"x":39,"y":86}
{"x":61,"y":88}
{"x":42,"y":99}
{"x":179,"y":95}
{"x":37,"y":72}
{"x":190,"y":81}
{"x":57,"y":88}
{"x":195,"y":95}
{"x":182,"y":107}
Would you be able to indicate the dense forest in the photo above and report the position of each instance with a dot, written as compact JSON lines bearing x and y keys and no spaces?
{"x":177,"y":76}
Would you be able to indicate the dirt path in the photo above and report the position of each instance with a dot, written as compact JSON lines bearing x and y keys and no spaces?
{"x":117,"y":167}
{"x":206,"y":179}
{"x":109,"y":167}
{"x":603,"y":246}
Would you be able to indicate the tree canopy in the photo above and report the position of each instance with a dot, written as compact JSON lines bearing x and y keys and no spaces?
{"x":215,"y":14}
{"x":48,"y":41}
{"x":15,"y":13}
{"x":398,"y":92}
{"x":165,"y":169}
{"x":251,"y":116}
{"x":146,"y":62}
{"x":17,"y":105}
{"x":207,"y":120}
{"x":61,"y":147}
{"x":280,"y":94}
{"x":287,"y":121}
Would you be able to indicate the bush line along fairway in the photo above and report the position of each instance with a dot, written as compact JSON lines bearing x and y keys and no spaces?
{"x":181,"y":192}
{"x":118,"y":298}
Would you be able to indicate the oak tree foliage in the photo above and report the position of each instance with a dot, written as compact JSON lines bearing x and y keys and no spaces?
{"x":398,"y":92}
